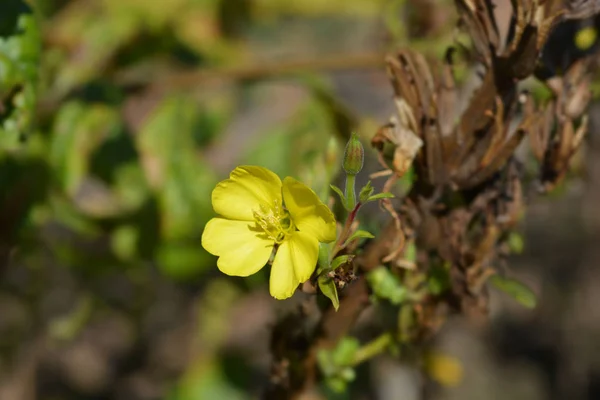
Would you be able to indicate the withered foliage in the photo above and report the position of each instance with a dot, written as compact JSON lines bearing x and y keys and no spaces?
{"x":468,"y":191}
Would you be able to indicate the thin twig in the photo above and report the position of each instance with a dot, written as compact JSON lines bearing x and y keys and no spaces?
{"x":187,"y":79}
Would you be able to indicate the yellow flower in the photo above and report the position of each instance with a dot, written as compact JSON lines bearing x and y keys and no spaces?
{"x":258,"y":214}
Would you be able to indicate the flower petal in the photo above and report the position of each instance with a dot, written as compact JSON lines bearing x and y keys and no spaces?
{"x":308,"y":212}
{"x":241,"y":250}
{"x":246,"y":189}
{"x":294,"y":263}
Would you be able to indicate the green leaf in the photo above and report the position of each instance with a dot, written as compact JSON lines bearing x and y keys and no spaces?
{"x":19,"y":70}
{"x":328,"y":288}
{"x":336,"y":364}
{"x":344,"y":353}
{"x":387,"y":285}
{"x":517,"y":290}
{"x":359,"y":234}
{"x":365,"y":193}
{"x":333,"y":361}
{"x":380,"y":196}
{"x":181,"y":181}
{"x":341,"y":260}
{"x":323,"y":260}
{"x":339,"y":193}
{"x":294,"y":145}
{"x":78,"y":131}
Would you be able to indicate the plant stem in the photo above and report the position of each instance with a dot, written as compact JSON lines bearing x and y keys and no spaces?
{"x":350,"y":192}
{"x":373,"y":348}
{"x":345,"y":231}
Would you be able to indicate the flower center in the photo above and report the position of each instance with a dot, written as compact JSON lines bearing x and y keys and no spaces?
{"x":274,"y":221}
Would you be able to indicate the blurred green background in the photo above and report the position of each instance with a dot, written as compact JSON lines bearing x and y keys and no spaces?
{"x":118,"y":117}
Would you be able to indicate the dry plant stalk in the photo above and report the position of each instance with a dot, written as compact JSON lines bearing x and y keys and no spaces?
{"x":468,"y":194}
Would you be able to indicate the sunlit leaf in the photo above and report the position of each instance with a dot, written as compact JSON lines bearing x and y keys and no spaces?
{"x":174,"y":170}
{"x":78,"y":131}
{"x":19,"y":64}
{"x":291,"y":147}
{"x":387,"y":285}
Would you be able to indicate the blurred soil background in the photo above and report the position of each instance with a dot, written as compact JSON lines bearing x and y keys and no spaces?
{"x":142,"y":107}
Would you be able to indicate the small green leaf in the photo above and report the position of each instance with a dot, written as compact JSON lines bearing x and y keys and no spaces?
{"x":365,"y":193}
{"x":328,"y":288}
{"x":323,"y":260}
{"x":360,"y":234}
{"x":380,"y":196}
{"x":517,"y":290}
{"x":339,"y":193}
{"x":336,"y":364}
{"x":387,"y":285}
{"x":19,"y":76}
{"x":341,"y":260}
{"x":344,"y":353}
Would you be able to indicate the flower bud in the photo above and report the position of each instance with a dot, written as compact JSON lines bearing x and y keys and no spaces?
{"x":354,"y":156}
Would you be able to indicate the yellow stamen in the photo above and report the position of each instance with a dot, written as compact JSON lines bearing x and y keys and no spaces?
{"x":274,"y":221}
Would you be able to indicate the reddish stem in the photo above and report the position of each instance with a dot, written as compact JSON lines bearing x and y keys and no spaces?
{"x":345,"y":231}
